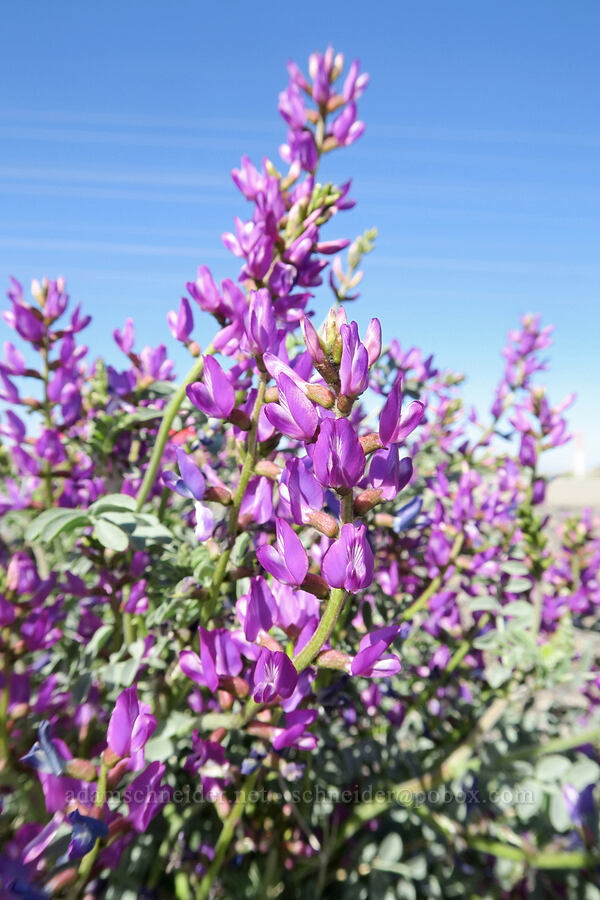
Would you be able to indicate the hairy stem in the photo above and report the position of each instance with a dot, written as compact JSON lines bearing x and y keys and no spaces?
{"x":238,"y":499}
{"x":162,"y":437}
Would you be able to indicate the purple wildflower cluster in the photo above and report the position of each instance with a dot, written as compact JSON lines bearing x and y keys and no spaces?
{"x":298,"y":594}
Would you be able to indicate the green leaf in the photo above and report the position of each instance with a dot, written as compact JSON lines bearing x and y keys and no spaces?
{"x":390,"y":849}
{"x":518,"y":585}
{"x":113,"y":502}
{"x":479,"y":604}
{"x":520,"y":609}
{"x":52,"y":522}
{"x":514,"y":567}
{"x":552,"y":767}
{"x":110,"y":536}
{"x":558,"y":813}
{"x":98,"y":640}
{"x":497,"y":674}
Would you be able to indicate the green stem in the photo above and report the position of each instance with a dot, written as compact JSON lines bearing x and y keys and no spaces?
{"x":347,"y":508}
{"x":86,"y":864}
{"x":537,"y":859}
{"x":557,"y":745}
{"x":47,"y":405}
{"x":165,"y":427}
{"x":324,"y":629}
{"x":224,"y":839}
{"x":238,"y":498}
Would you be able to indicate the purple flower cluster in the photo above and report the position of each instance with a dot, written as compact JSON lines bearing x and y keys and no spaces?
{"x":310,"y":562}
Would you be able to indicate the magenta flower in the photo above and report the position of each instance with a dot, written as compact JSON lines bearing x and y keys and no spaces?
{"x":370,"y":659}
{"x":25,"y":321}
{"x":209,"y":761}
{"x":260,"y":329}
{"x":145,"y":796}
{"x":294,"y":734}
{"x":205,"y":292}
{"x":312,"y":341}
{"x":191,"y":484}
{"x":338,"y":458}
{"x":528,"y":451}
{"x":181,"y":323}
{"x":49,"y":447}
{"x":287,"y":560}
{"x":354,"y":365}
{"x":389,"y":473}
{"x":294,"y":415}
{"x":214,"y":395}
{"x":131,"y":724}
{"x":260,"y":608}
{"x":393,"y":427}
{"x":349,"y":562}
{"x":373,"y":341}
{"x":301,"y":490}
{"x":124,"y":339}
{"x":219,"y":658}
{"x":346,"y":127}
{"x":274,"y":676}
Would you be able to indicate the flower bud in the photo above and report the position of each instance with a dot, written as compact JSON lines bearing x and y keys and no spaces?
{"x":366,"y":500}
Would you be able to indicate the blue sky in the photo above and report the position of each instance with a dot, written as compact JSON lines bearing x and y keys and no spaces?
{"x":120,"y":123}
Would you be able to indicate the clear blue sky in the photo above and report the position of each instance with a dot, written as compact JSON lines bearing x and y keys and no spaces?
{"x":120,"y":123}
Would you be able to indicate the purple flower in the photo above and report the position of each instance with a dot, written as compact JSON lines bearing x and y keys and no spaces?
{"x":301,"y":490}
{"x":407,"y":514}
{"x":205,"y":292}
{"x":355,"y":84}
{"x":257,"y":505}
{"x":25,"y":322}
{"x":260,"y":608}
{"x":292,"y":108}
{"x":287,"y":559}
{"x":192,"y":483}
{"x":204,"y":522}
{"x":44,"y":755}
{"x":182,"y":322}
{"x":86,"y":831}
{"x":338,"y":458}
{"x":438,"y":549}
{"x":14,"y":360}
{"x":49,"y":447}
{"x":124,"y":339}
{"x":369,"y":660}
{"x":527,"y":451}
{"x":214,"y":395}
{"x":580,"y":804}
{"x":393,"y":427}
{"x":294,"y":415}
{"x":354,"y":365}
{"x":349,"y":562}
{"x":373,"y":341}
{"x":312,"y":341}
{"x":219,"y":658}
{"x":145,"y":797}
{"x":389,"y":473}
{"x":274,"y":676}
{"x":294,"y":733}
{"x":22,"y":575}
{"x":131,"y":724}
{"x":208,"y":758}
{"x":260,"y":329}
{"x":346,"y":128}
